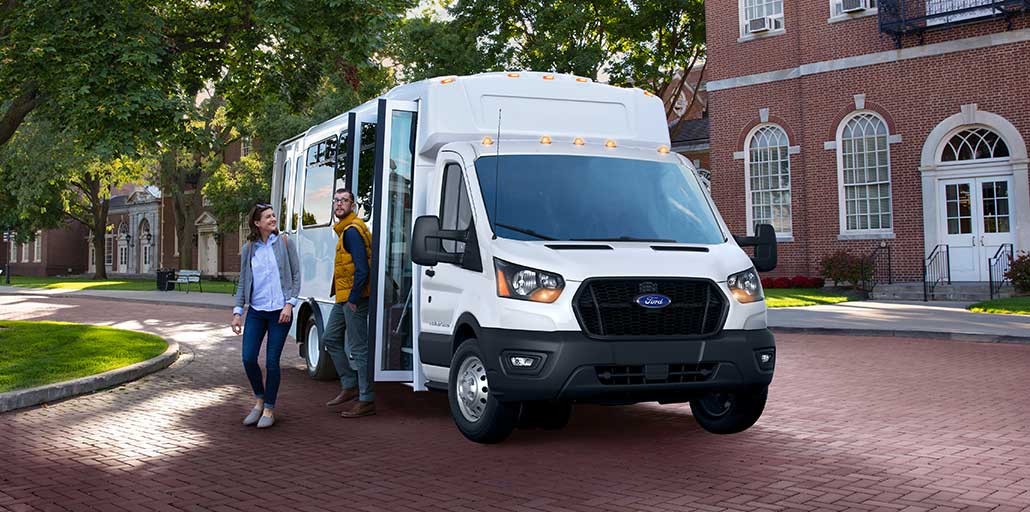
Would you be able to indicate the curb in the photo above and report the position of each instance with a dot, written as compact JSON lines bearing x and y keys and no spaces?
{"x":74,"y":295}
{"x":954,"y":336}
{"x":60,"y":390}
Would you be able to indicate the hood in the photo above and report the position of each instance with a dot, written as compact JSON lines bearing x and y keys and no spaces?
{"x":577,"y":261}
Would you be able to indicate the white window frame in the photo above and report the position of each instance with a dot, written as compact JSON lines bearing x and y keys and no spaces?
{"x":25,"y":252}
{"x":743,"y":19}
{"x":108,"y":251}
{"x":37,"y":249}
{"x":14,"y":249}
{"x":785,"y":236}
{"x":837,"y":13}
{"x":841,"y":196}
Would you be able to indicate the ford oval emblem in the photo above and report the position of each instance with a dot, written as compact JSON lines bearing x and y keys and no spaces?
{"x":653,"y":301}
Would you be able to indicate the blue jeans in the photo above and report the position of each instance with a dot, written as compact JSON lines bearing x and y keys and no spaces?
{"x":254,"y":329}
{"x":350,"y":353}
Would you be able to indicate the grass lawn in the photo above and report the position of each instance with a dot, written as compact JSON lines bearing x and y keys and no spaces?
{"x":1009,"y":306}
{"x":82,"y":283}
{"x":792,"y":297}
{"x":37,"y":353}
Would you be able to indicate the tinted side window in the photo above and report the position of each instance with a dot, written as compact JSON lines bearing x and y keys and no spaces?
{"x":343,"y":161}
{"x":285,"y":191}
{"x":455,"y":210}
{"x":366,"y":171}
{"x":318,"y":183}
{"x":298,"y":176}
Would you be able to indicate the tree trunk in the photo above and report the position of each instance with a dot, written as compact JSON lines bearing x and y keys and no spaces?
{"x":98,"y":256}
{"x":16,"y":112}
{"x":185,"y":215}
{"x":100,"y":208}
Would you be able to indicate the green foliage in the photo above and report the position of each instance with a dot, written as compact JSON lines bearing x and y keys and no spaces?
{"x":842,"y":267}
{"x":93,"y":66}
{"x":234,"y":189}
{"x":37,"y":353}
{"x":1019,"y":272}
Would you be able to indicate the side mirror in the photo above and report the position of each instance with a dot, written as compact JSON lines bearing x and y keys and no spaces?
{"x":764,"y":243}
{"x":426,"y":248}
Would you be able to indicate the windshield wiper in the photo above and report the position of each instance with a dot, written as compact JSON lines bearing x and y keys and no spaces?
{"x":623,"y":239}
{"x":524,"y":231}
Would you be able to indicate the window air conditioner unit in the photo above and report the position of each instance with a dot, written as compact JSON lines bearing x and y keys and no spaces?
{"x":853,"y":5}
{"x":758,"y":25}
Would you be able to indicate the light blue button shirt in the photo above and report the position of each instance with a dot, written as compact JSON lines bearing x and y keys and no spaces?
{"x":267,"y":292}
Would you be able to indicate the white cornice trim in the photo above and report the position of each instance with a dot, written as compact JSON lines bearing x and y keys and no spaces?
{"x":870,"y":59}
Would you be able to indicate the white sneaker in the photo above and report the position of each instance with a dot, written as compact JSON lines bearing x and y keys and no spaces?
{"x":254,"y":416}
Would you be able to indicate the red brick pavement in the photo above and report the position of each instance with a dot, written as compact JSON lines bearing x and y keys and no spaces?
{"x":853,"y":423}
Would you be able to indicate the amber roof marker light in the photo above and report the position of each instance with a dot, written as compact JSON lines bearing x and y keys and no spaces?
{"x":446,"y":81}
{"x":610,"y":144}
{"x":578,"y":141}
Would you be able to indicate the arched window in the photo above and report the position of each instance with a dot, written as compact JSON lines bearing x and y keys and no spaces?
{"x":767,"y":161}
{"x":974,"y":144}
{"x":864,"y":174}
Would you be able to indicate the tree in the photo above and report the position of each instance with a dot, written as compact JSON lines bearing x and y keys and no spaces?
{"x":234,"y":189}
{"x":46,"y":178}
{"x":92,"y":66}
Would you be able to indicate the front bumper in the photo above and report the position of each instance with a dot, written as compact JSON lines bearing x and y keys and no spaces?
{"x":572,"y":366}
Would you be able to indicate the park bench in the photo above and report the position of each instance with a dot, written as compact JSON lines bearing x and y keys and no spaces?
{"x":187,"y":278}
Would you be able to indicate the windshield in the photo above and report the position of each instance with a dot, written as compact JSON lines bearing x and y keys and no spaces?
{"x":557,"y":197}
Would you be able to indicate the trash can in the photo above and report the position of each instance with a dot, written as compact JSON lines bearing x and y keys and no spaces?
{"x":165,"y":279}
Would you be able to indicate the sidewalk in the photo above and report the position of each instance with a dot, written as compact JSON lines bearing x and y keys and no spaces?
{"x":922,"y":319}
{"x":175,"y":298}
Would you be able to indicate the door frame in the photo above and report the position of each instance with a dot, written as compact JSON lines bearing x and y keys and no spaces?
{"x":380,"y":238}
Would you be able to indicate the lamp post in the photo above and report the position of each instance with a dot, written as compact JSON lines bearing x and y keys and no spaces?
{"x":7,"y":257}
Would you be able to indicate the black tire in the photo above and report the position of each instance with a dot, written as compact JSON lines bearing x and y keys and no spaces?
{"x":319,"y":364}
{"x":545,"y":415}
{"x":479,"y":416}
{"x":729,"y":412}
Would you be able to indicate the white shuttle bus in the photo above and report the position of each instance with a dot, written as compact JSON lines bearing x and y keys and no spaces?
{"x":535,"y":245}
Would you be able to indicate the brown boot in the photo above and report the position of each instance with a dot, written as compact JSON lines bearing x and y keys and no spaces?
{"x":345,"y":396}
{"x":360,"y":409}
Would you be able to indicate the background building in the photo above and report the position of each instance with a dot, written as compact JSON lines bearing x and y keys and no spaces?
{"x":860,"y":123}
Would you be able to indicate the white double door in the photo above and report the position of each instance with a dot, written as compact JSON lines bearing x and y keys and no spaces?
{"x":976,"y":220}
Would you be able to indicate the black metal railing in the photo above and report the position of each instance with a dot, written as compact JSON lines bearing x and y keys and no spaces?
{"x":936,"y":270}
{"x":900,"y":17}
{"x":877,"y":268}
{"x":998,"y":265}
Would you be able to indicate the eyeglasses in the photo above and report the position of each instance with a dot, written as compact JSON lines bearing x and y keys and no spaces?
{"x":262,"y":205}
{"x":341,"y":201}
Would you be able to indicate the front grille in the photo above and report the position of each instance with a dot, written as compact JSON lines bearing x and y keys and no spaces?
{"x":664,"y":374}
{"x":607,"y":307}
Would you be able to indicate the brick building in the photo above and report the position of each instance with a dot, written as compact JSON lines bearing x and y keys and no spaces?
{"x":847,"y":124}
{"x":53,"y":252}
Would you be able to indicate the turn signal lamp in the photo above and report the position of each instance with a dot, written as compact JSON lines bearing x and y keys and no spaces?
{"x":663,"y":149}
{"x":582,"y":80}
{"x":446,"y":81}
{"x":578,"y":141}
{"x":545,"y":140}
{"x":548,"y":77}
{"x":610,"y":144}
{"x":513,"y":75}
{"x":648,"y":93}
{"x":487,"y":141}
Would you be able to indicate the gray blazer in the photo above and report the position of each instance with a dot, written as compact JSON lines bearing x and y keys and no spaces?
{"x":289,"y":270}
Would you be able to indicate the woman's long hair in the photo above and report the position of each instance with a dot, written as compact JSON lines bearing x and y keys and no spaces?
{"x":254,"y":216}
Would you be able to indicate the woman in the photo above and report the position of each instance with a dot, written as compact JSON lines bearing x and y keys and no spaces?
{"x":269,"y":284}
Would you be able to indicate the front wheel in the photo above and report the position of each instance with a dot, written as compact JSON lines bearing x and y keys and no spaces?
{"x":479,"y":416}
{"x":318,"y":362}
{"x":722,"y":412}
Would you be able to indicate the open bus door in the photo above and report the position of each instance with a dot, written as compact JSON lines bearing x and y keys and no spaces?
{"x":392,"y":312}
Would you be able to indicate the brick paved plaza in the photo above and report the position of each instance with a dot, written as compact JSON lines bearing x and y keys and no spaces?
{"x":853,"y":423}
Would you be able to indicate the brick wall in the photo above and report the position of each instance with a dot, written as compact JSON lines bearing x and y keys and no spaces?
{"x":913,"y":95}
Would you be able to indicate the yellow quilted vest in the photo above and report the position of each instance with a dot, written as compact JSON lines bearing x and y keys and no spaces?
{"x":343,"y":265}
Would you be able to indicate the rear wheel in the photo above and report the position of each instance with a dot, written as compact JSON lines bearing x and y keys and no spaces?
{"x":479,"y":416}
{"x":319,"y":364}
{"x":723,"y":412}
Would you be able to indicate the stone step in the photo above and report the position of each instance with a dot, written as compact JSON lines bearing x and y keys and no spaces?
{"x":941,"y":292}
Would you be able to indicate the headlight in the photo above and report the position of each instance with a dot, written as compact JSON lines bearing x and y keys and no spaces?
{"x":517,"y":282}
{"x":745,"y":286}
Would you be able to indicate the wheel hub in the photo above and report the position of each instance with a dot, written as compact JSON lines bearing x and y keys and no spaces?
{"x":473,"y":389}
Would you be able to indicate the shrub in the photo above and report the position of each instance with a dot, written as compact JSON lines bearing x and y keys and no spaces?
{"x":844,"y":267}
{"x":1019,"y":272}
{"x":781,"y":282}
{"x":799,"y":282}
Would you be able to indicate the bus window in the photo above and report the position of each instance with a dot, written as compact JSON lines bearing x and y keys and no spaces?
{"x":284,"y":191}
{"x":318,"y":183}
{"x":298,"y":176}
{"x":366,"y":170}
{"x":342,"y":163}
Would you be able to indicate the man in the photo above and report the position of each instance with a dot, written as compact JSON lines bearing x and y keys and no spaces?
{"x":351,"y":286}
